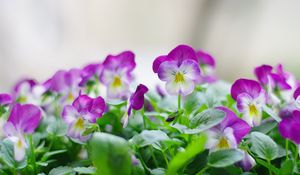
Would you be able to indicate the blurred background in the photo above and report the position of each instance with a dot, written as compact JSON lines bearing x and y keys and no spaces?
{"x":38,"y":37}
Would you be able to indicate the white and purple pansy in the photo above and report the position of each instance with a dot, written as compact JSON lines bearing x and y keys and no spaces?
{"x":207,"y":64}
{"x":5,"y":99}
{"x":179,"y":69}
{"x":117,"y":74}
{"x":83,"y":111}
{"x":251,"y":98}
{"x":23,"y":119}
{"x":229,"y":133}
{"x":89,"y":72}
{"x":136,"y":102}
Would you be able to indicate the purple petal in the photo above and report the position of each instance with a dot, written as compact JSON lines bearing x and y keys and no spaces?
{"x":83,"y":103}
{"x":158,"y":61}
{"x":64,"y":80}
{"x":296,"y":93}
{"x":184,"y":88}
{"x":250,"y":87}
{"x":5,"y":99}
{"x":69,"y":114}
{"x":280,"y":81}
{"x":97,"y":109}
{"x":124,"y":60}
{"x":289,"y":127}
{"x":262,"y":72}
{"x":239,"y":126}
{"x":167,"y":70}
{"x":89,"y":72}
{"x":25,"y":117}
{"x":190,"y":69}
{"x":18,"y":85}
{"x":205,"y":58}
{"x":247,"y":163}
{"x":137,"y":98}
{"x":243,"y":100}
{"x":181,"y":53}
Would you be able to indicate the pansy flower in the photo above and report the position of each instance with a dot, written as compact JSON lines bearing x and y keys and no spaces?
{"x":65,"y":83}
{"x":207,"y":64}
{"x":179,"y":69}
{"x":250,"y":98}
{"x":296,"y":96}
{"x":5,"y":99}
{"x":89,"y":72}
{"x":136,"y":102}
{"x":23,"y":119}
{"x":84,"y":110}
{"x":117,"y":74}
{"x":229,"y":133}
{"x":289,"y":127}
{"x":28,"y":91}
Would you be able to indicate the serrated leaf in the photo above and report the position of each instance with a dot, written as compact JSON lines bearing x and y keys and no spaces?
{"x":149,"y":137}
{"x":205,"y":120}
{"x":263,"y":146}
{"x":223,"y":158}
{"x":62,"y":170}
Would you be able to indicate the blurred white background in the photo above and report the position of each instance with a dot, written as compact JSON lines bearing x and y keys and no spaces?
{"x":38,"y":37}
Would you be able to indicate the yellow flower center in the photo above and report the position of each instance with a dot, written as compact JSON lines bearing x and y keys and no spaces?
{"x":70,"y":97}
{"x":117,"y":82}
{"x":223,"y":143}
{"x":19,"y":143}
{"x":179,"y":78}
{"x":22,"y":99}
{"x":79,"y":124}
{"x":253,"y":110}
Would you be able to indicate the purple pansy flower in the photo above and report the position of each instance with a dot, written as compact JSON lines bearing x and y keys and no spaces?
{"x":23,"y":119}
{"x":229,"y":133}
{"x":289,"y":127}
{"x":207,"y":64}
{"x":116,"y":74}
{"x":136,"y":102}
{"x":297,"y":97}
{"x":248,"y":162}
{"x":65,"y":83}
{"x":250,"y":98}
{"x":179,"y":69}
{"x":83,"y":111}
{"x":5,"y":99}
{"x":89,"y":71}
{"x":28,"y":91}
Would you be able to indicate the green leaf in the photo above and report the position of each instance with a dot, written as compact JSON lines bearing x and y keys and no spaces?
{"x":52,"y":153}
{"x":56,"y":127}
{"x":90,"y":129}
{"x":110,"y":154}
{"x":149,"y":137}
{"x":223,"y":158}
{"x":268,"y":166}
{"x":205,"y":120}
{"x":263,"y":146}
{"x":181,"y":158}
{"x":85,"y":170}
{"x":62,"y":170}
{"x":287,"y":168}
{"x":265,"y":127}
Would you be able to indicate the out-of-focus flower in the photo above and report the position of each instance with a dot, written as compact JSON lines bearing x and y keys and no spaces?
{"x":297,"y":97}
{"x":116,"y":74}
{"x":279,"y":83}
{"x":89,"y":72}
{"x":83,"y":111}
{"x":229,"y":133}
{"x":250,"y":98}
{"x":248,"y":162}
{"x":5,"y":99}
{"x":65,"y":83}
{"x":136,"y":102}
{"x":179,"y":69}
{"x":23,"y":119}
{"x":207,"y":64}
{"x":289,"y":127}
{"x":28,"y":91}
{"x":160,"y":91}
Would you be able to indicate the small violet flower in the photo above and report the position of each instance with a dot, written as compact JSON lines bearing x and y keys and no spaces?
{"x":289,"y":127}
{"x":179,"y":69}
{"x":23,"y":119}
{"x":250,"y":98}
{"x":65,"y":83}
{"x":5,"y":99}
{"x":84,"y":110}
{"x":229,"y":133}
{"x":116,"y":74}
{"x":207,"y":64}
{"x":89,"y":72}
{"x":136,"y":102}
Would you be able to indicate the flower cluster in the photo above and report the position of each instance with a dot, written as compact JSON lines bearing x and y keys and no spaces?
{"x":93,"y":119}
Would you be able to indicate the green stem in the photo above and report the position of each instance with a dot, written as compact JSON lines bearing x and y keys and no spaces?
{"x":33,"y":161}
{"x":269,"y":163}
{"x":179,"y":102}
{"x":153,"y":156}
{"x":143,"y":163}
{"x":202,"y":171}
{"x":165,"y":157}
{"x":286,"y":149}
{"x":296,"y":153}
{"x":144,"y":120}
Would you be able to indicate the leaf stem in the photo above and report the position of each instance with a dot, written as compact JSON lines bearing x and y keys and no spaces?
{"x":203,"y":170}
{"x":269,"y":163}
{"x":286,"y":149}
{"x":32,"y":154}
